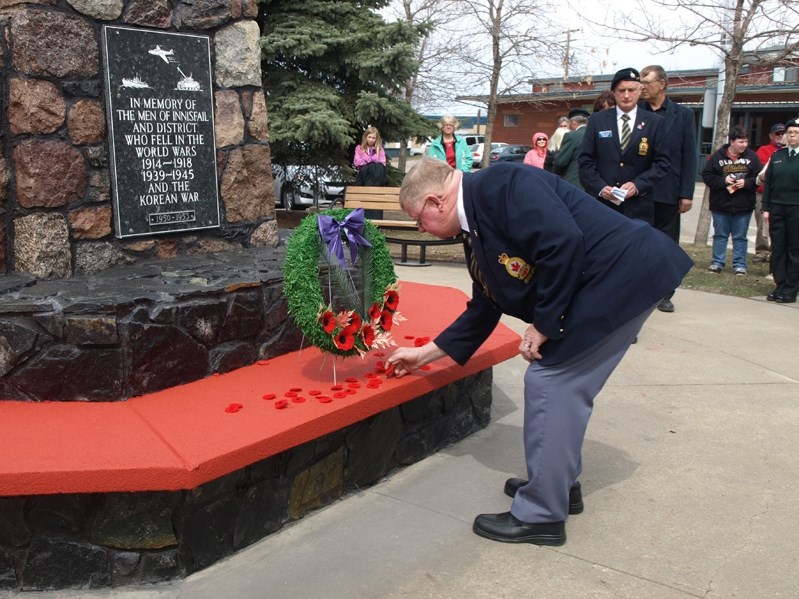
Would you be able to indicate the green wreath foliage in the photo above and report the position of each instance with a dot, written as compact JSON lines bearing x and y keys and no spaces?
{"x":305,"y":253}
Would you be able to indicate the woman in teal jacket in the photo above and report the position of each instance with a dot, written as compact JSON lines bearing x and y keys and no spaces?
{"x":449,"y":147}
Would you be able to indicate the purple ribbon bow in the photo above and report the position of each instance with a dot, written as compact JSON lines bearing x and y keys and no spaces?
{"x":330,"y":230}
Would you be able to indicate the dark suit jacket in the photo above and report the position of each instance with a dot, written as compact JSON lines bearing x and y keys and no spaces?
{"x":645,"y":161}
{"x":565,"y":163}
{"x":594,"y":269}
{"x":680,"y":181}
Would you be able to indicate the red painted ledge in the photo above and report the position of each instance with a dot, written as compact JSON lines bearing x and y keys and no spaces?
{"x":183,"y":437}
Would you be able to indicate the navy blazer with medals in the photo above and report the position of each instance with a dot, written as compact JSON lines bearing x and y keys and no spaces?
{"x":645,"y":162}
{"x":591,"y":269}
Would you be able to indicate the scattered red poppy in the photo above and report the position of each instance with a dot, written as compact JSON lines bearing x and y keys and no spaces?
{"x":298,"y":399}
{"x":386,"y":320}
{"x":425,"y":367}
{"x":215,"y":374}
{"x":354,"y":385}
{"x":339,"y":394}
{"x":290,"y":394}
{"x":328,"y":322}
{"x":370,"y":375}
{"x":324,"y":399}
{"x":380,"y":368}
{"x":337,"y":387}
{"x":269,"y":396}
{"x":350,"y":391}
{"x":263,"y":362}
{"x":373,"y":384}
{"x":410,"y":337}
{"x":314,"y":392}
{"x":351,"y":379}
{"x":420,"y":341}
{"x":281,"y":404}
{"x":234,"y":407}
{"x":391,"y":300}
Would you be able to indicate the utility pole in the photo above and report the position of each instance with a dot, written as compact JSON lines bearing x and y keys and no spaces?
{"x":567,"y":54}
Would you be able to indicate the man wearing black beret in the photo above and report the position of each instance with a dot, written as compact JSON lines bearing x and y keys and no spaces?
{"x":565,"y":163}
{"x":624,"y":153}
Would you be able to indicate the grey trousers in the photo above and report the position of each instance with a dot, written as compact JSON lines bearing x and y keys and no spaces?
{"x":558,"y":401}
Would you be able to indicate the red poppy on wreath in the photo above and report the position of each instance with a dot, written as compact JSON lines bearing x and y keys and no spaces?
{"x":344,"y":340}
{"x":355,"y":320}
{"x":328,"y":320}
{"x":374,"y":312}
{"x":391,"y":300}
{"x":386,"y":320}
{"x":368,"y":336}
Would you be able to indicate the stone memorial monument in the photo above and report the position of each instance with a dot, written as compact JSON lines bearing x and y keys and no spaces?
{"x":161,"y":131}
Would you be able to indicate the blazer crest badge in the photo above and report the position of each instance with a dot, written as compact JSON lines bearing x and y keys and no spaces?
{"x":517,"y":267}
{"x":643,"y":147}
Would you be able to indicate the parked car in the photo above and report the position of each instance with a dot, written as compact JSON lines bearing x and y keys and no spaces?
{"x":477,"y":151}
{"x":471,"y":138}
{"x":513,"y":153}
{"x":302,"y":186}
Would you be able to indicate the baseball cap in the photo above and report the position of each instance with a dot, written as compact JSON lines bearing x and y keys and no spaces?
{"x":776,"y":128}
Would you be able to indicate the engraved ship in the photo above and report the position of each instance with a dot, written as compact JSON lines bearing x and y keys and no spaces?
{"x":134,"y":82}
{"x":188,"y":83}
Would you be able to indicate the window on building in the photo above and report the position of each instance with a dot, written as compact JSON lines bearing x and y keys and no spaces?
{"x":785,"y":74}
{"x":511,"y":120}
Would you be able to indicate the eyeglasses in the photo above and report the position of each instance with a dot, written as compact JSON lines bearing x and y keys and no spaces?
{"x":419,"y":216}
{"x":779,"y":133}
{"x":649,"y":82}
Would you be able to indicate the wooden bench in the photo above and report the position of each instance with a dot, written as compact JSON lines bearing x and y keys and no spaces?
{"x":376,"y":201}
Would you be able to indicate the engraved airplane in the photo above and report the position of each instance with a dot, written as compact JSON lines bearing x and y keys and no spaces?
{"x":158,"y":51}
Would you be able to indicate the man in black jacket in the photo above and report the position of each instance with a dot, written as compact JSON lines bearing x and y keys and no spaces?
{"x":675,"y":193}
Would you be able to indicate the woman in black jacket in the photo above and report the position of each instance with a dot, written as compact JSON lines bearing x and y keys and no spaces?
{"x":730,"y":175}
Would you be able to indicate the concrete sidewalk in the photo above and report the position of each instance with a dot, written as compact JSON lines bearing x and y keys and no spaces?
{"x":690,"y":485}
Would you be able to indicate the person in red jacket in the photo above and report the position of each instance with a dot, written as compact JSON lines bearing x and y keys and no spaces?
{"x":764,"y":152}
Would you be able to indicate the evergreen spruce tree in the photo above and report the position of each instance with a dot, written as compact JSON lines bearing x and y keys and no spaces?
{"x":330,"y":69}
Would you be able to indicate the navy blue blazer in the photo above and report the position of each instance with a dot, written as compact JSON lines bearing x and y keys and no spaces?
{"x":591,"y":270}
{"x":645,"y":161}
{"x":680,"y":181}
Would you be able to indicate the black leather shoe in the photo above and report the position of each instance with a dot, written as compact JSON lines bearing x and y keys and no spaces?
{"x":576,"y":505}
{"x":772,"y":297}
{"x":507,"y":529}
{"x":666,"y":305}
{"x":785,"y":299}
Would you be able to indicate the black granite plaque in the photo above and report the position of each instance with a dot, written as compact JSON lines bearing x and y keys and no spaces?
{"x":161,"y":123}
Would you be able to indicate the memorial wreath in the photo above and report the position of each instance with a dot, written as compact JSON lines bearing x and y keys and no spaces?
{"x":345,"y":309}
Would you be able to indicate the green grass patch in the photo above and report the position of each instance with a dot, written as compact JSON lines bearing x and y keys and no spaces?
{"x":753,"y":284}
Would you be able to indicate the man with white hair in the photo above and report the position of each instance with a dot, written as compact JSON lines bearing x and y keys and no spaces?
{"x":579,"y":274}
